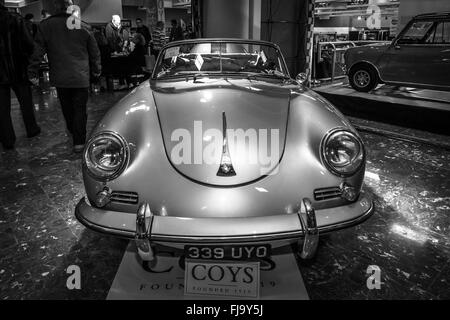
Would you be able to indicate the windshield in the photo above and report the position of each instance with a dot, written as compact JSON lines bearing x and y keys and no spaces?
{"x":206,"y":58}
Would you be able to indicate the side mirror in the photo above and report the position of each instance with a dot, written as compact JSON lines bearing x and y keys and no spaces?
{"x":302,"y":78}
{"x":395,"y":44}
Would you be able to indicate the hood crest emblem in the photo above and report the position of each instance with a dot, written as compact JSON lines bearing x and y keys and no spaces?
{"x":226,"y":167}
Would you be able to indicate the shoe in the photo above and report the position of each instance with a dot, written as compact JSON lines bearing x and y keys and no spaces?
{"x":35,"y":133}
{"x":78,"y":148}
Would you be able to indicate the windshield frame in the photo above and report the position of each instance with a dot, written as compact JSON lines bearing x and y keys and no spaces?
{"x":215,"y":40}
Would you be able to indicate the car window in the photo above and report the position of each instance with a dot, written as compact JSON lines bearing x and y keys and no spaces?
{"x":220,"y":58}
{"x":440,"y":34}
{"x":417,"y":33}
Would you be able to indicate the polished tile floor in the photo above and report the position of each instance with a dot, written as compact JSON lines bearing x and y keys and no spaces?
{"x":408,"y":237}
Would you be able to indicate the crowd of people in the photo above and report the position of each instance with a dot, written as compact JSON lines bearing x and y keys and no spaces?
{"x":76,"y":57}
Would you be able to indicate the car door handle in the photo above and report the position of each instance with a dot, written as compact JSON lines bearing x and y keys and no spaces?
{"x":397,"y":47}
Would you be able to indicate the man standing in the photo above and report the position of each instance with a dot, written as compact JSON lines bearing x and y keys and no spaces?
{"x":73,"y":57}
{"x":176,"y":33}
{"x":16,"y":46}
{"x":115,"y":34}
{"x":29,"y":23}
{"x":143,"y":29}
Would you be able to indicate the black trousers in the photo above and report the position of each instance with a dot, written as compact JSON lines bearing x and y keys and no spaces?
{"x":73,"y":102}
{"x":25,"y":97}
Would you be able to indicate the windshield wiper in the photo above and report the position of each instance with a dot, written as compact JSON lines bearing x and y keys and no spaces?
{"x":197,"y":75}
{"x":268,"y":75}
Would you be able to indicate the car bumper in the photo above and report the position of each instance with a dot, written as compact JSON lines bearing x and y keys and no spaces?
{"x":176,"y":230}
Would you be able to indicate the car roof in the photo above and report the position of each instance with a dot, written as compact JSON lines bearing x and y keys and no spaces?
{"x":445,"y":14}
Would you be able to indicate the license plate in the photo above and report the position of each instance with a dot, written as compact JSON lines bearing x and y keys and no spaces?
{"x":224,"y":278}
{"x":227,"y":252}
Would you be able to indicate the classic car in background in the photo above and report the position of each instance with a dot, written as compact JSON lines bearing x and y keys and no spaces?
{"x":222,"y":149}
{"x":418,"y":57}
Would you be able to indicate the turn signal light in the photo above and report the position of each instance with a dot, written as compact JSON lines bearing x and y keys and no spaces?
{"x":348,"y":192}
{"x":103,"y":198}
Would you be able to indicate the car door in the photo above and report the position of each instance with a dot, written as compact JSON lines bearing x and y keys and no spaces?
{"x":420,"y":56}
{"x":404,"y":61}
{"x":437,"y":75}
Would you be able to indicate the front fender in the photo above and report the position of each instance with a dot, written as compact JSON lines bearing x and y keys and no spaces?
{"x":370,"y":54}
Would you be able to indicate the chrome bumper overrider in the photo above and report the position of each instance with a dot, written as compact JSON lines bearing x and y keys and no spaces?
{"x":149,"y":229}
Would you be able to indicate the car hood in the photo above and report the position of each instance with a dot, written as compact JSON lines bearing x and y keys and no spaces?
{"x":369,"y":49}
{"x":196,"y":116}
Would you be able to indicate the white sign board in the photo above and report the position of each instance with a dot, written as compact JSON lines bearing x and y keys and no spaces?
{"x":222,"y":278}
{"x":280,"y":279}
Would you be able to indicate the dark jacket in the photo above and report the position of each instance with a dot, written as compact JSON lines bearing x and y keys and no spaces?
{"x":137,"y":58}
{"x":116,"y":37}
{"x":73,"y":54}
{"x":16,"y":47}
{"x":32,"y":28}
{"x":176,"y":34}
{"x":145,"y":32}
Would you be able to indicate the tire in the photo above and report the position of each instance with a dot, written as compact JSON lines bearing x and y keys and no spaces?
{"x":363,"y":78}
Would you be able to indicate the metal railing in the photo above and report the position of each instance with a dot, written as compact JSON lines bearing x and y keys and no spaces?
{"x":328,"y":59}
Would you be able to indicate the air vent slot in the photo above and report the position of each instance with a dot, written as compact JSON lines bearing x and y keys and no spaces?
{"x":327,"y":193}
{"x":124,"y":197}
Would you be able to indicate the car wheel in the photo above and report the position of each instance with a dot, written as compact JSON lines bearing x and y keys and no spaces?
{"x":363,"y":78}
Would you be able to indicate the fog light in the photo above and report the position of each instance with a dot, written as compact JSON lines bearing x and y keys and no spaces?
{"x":103,"y":198}
{"x":348,"y":192}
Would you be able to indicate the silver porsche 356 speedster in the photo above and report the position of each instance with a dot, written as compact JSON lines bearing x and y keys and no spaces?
{"x":222,"y":149}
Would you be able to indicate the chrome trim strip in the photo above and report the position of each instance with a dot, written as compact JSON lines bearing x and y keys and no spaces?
{"x":144,"y":219}
{"x":123,"y":198}
{"x":233,"y":239}
{"x":266,"y":237}
{"x":329,"y":193}
{"x":311,"y":231}
{"x":222,"y":171}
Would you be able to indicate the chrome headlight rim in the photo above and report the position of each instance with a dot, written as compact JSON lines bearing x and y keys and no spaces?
{"x":90,"y":166}
{"x":332,"y":168}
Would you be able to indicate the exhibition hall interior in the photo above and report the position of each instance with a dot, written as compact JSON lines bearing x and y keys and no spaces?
{"x":224,"y":149}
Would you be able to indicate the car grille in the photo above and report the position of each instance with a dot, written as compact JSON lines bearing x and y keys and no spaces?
{"x":327,"y":193}
{"x":124,"y":197}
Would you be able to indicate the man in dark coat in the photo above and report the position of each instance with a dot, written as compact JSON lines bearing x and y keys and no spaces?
{"x":16,"y":46}
{"x":74,"y":58}
{"x":29,"y":23}
{"x":143,"y":29}
{"x":116,"y":35}
{"x":176,"y":33}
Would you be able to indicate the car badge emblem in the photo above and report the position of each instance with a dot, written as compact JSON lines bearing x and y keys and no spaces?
{"x":226,"y":167}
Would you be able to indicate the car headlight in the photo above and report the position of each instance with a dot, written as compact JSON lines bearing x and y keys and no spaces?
{"x":106,"y":155}
{"x":343,"y":152}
